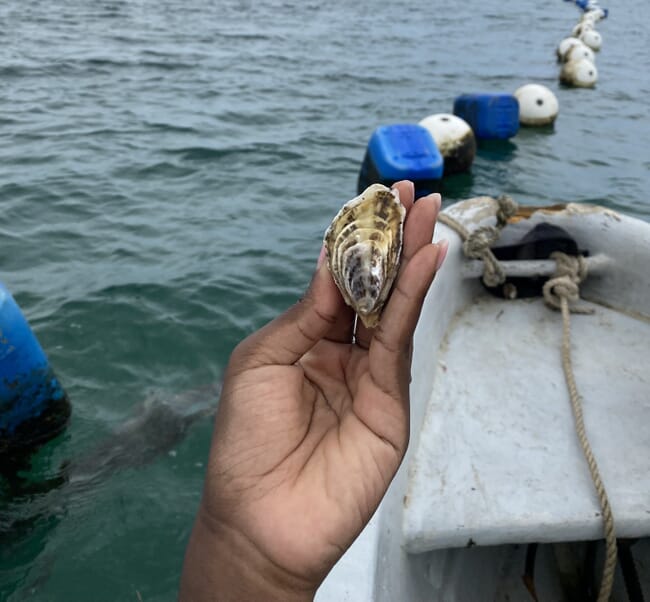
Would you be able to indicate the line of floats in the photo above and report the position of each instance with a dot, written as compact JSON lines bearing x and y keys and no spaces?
{"x":33,"y":404}
{"x":445,"y":143}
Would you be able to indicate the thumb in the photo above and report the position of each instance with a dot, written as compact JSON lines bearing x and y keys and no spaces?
{"x":288,"y":337}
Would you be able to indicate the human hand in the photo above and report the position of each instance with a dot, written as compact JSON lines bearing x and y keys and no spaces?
{"x":309,"y":433}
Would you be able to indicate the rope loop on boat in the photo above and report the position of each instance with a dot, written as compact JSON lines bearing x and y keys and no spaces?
{"x":559,"y":292}
{"x":570,"y":272}
{"x":476,"y":244}
{"x":507,"y":209}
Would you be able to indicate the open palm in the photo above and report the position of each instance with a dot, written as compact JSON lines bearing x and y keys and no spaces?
{"x":312,"y":426}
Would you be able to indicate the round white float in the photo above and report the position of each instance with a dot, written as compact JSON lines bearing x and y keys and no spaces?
{"x":590,"y":17}
{"x":455,"y":140}
{"x":537,"y":105}
{"x":592,"y":39}
{"x":578,"y":52}
{"x":580,"y":74}
{"x":594,"y":15}
{"x":581,"y":27}
{"x":564,"y":46}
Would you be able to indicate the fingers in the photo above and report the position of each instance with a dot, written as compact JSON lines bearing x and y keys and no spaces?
{"x":418,"y":231}
{"x":420,"y":222}
{"x":406,"y":191}
{"x":289,"y":336}
{"x":389,"y":353}
{"x":322,"y":314}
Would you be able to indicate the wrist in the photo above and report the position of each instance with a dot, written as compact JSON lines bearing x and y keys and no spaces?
{"x":224,"y":565}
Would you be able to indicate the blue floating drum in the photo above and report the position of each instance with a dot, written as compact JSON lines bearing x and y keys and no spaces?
{"x":402,"y":152}
{"x":33,"y":405}
{"x":491,"y":116}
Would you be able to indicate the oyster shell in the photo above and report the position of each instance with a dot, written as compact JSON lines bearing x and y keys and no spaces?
{"x":364,"y":245}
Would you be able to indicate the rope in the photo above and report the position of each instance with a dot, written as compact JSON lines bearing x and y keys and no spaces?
{"x":559,"y":292}
{"x":476,"y":244}
{"x":570,"y":272}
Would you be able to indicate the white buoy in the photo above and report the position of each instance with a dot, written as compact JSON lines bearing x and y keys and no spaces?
{"x":591,"y":18}
{"x":592,"y":39}
{"x":581,"y":27}
{"x":564,"y":46}
{"x":537,"y":105}
{"x":594,"y":15}
{"x":455,"y":140}
{"x":580,"y":51}
{"x":580,"y":74}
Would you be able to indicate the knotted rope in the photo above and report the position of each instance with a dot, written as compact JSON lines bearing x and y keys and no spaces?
{"x":569,"y":273}
{"x":559,"y":292}
{"x":476,"y":244}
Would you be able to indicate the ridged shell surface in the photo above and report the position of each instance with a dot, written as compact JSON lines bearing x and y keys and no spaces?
{"x":364,"y":245}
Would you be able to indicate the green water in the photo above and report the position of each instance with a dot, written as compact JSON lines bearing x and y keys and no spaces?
{"x":166,"y":172}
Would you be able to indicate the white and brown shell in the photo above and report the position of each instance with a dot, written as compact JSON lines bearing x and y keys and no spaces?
{"x":364,"y":245}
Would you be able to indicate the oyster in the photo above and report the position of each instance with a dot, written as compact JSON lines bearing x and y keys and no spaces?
{"x":364,"y":245}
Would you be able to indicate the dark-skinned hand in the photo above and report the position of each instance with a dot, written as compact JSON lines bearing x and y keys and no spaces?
{"x":310,"y":430}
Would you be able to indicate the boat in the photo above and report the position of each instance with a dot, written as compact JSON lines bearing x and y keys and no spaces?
{"x":494,"y":499}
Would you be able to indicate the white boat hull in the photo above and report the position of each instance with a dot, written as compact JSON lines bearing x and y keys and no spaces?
{"x":494,"y":462}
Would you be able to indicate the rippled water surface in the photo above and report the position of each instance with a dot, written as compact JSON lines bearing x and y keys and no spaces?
{"x":166,"y":172}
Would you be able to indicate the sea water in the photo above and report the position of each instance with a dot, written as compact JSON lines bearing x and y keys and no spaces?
{"x":167,"y":170}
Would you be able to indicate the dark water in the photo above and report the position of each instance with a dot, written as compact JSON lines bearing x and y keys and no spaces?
{"x":166,"y":172}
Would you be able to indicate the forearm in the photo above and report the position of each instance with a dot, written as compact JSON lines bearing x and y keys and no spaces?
{"x":222,"y":565}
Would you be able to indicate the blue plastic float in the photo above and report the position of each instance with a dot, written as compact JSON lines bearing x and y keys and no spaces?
{"x":492,"y":116}
{"x":33,"y":404}
{"x":402,"y":151}
{"x":588,"y":5}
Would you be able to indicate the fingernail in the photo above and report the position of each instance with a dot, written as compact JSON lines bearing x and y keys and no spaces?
{"x":408,"y":183}
{"x":321,"y":257}
{"x":443,"y":247}
{"x":435,"y":197}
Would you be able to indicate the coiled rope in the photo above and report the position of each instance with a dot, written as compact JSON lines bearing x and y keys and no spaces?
{"x":476,"y":244}
{"x":561,"y":292}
